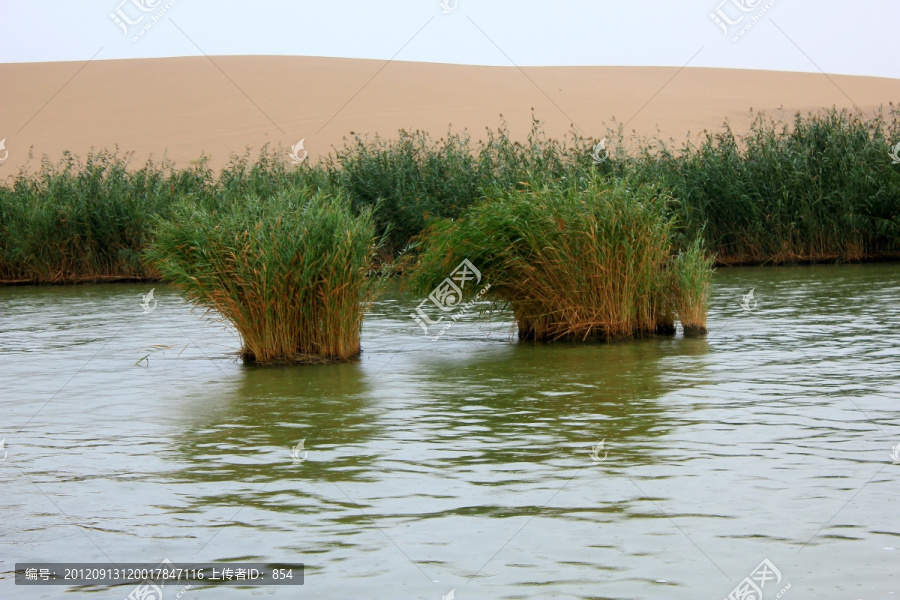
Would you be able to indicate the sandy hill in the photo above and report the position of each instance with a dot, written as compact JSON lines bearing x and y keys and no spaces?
{"x":187,"y":106}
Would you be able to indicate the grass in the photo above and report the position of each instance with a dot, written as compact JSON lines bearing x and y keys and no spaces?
{"x":819,"y":187}
{"x":691,"y":274}
{"x":85,"y":221}
{"x":91,"y":220}
{"x":585,"y":260}
{"x":288,"y":271}
{"x":413,"y":178}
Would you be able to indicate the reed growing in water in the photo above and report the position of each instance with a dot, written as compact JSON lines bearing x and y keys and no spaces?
{"x":90,"y":220}
{"x":584,"y":260}
{"x":414,"y":177}
{"x":691,"y":272}
{"x":289,"y":271}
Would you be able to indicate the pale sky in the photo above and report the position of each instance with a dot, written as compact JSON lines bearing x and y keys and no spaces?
{"x":851,"y":38}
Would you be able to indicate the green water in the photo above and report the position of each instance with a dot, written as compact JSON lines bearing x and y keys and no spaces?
{"x":464,"y":463}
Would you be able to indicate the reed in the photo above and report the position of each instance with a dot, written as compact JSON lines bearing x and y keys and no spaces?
{"x":86,"y":221}
{"x":691,"y":272}
{"x":407,"y":180}
{"x":574,"y":261}
{"x":818,"y":188}
{"x":288,"y":271}
{"x":413,"y":178}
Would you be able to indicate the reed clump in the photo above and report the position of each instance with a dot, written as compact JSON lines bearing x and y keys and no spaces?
{"x":691,"y":271}
{"x":289,"y":271}
{"x":576,"y":261}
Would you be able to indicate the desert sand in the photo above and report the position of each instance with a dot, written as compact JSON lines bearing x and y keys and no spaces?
{"x":185,"y":107}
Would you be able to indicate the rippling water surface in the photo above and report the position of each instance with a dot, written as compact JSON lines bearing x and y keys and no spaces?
{"x":464,"y":463}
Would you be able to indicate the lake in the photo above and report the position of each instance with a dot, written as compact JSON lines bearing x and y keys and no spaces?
{"x":472,"y":463}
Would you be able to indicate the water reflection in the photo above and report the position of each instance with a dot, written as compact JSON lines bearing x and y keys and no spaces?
{"x":537,"y":404}
{"x":264,"y":416}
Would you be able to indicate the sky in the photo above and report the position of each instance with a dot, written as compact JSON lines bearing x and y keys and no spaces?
{"x":849,"y":38}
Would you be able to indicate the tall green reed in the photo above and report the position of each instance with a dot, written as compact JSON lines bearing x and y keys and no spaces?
{"x":817,"y":187}
{"x":89,"y":220}
{"x":290,"y":271}
{"x":574,"y":261}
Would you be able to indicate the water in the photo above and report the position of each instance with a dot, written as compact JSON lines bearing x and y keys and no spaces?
{"x":464,"y":463}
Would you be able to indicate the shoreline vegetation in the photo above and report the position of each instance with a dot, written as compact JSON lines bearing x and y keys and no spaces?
{"x":820,"y":188}
{"x":582,"y":239}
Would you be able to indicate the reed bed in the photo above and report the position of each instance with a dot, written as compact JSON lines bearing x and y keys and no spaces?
{"x":576,"y":261}
{"x":86,"y":221}
{"x":288,"y":271}
{"x":413,"y":178}
{"x":819,"y":187}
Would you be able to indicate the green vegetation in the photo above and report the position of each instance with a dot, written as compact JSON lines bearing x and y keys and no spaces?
{"x":76,"y":221}
{"x":414,"y":178}
{"x":816,"y":188}
{"x":820,"y":188}
{"x":691,"y":272}
{"x":289,"y":271}
{"x":577,"y":261}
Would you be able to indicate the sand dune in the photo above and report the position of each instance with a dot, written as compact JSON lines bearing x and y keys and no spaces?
{"x":187,"y":106}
